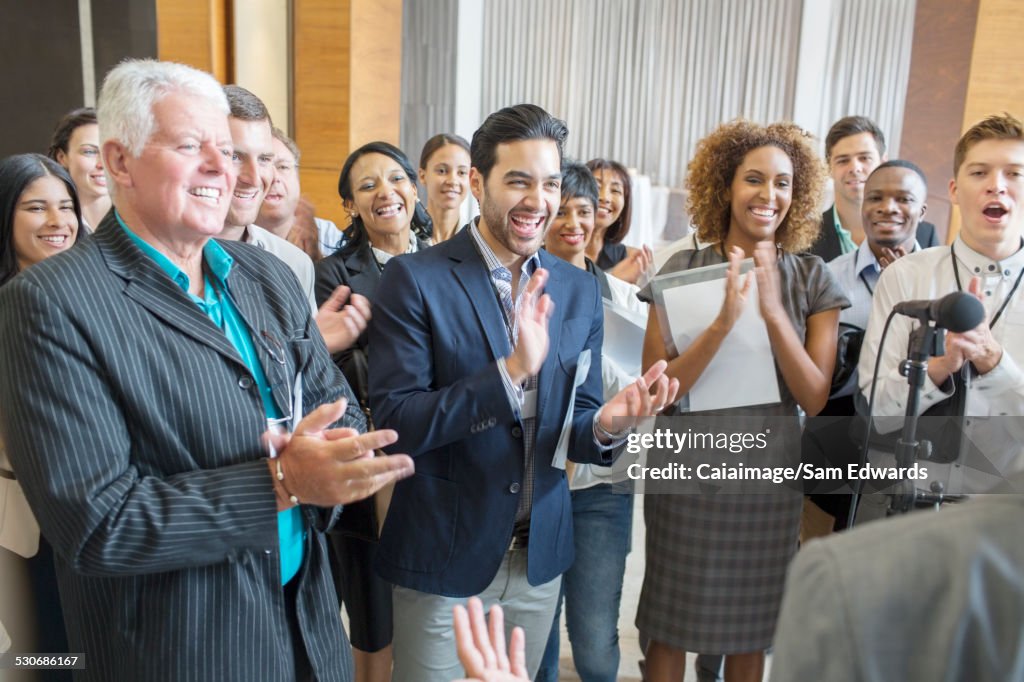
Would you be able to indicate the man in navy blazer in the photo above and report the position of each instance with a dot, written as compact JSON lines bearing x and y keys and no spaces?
{"x":138,"y":375}
{"x":486,"y":359}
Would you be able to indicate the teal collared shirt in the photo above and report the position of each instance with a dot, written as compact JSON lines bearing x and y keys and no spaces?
{"x":846,"y":243}
{"x":222,"y":312}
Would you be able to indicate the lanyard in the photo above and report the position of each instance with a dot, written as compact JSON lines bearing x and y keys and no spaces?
{"x":1006,"y":301}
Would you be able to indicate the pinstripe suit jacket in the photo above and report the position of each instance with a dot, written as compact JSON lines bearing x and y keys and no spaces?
{"x":135,"y":427}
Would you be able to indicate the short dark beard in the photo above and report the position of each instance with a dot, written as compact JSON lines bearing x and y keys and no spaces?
{"x":497,"y":225}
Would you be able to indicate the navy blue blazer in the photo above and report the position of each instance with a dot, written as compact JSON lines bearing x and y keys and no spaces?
{"x":437,"y":333}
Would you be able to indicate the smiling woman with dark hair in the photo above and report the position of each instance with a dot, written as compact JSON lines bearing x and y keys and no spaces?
{"x":377,"y":186}
{"x":613,"y":220}
{"x":39,"y":218}
{"x":39,"y":212}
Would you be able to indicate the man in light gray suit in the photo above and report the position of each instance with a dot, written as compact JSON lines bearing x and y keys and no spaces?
{"x":928,"y":596}
{"x":138,"y":376}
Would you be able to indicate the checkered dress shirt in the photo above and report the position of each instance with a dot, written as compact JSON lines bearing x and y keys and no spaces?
{"x":501,"y":278}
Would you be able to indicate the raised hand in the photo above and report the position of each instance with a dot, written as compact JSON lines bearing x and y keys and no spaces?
{"x":481,"y":646}
{"x":341,"y":324}
{"x":532,"y":345}
{"x":737,"y":288}
{"x":769,"y":287}
{"x":645,"y":397}
{"x":327,"y":467}
{"x":635,"y":267}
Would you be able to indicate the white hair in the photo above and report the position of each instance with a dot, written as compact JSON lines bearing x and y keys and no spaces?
{"x":131,"y":89}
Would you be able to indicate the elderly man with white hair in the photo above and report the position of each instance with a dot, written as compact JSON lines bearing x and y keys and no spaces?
{"x":154,"y":384}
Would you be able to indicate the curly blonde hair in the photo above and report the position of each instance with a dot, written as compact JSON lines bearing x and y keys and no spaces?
{"x":710,"y":174}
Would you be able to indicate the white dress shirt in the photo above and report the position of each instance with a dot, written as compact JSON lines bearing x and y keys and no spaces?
{"x":294,"y":257}
{"x":331,"y":238}
{"x":995,"y":402}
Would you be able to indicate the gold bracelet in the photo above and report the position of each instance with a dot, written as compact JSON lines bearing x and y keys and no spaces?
{"x":280,"y":477}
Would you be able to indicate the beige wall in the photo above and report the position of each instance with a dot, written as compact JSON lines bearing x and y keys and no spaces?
{"x":195,"y":32}
{"x":262,"y":55}
{"x":347,"y":84}
{"x":995,"y":83}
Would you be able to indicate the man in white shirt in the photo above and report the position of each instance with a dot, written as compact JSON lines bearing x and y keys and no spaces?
{"x":987,"y":261}
{"x":253,"y":157}
{"x":254,"y":160}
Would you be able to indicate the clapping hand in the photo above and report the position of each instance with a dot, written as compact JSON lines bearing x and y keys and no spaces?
{"x":635,"y":267}
{"x":769,"y":286}
{"x":341,"y":324}
{"x":326,"y":466}
{"x":891,"y":255}
{"x":304,"y":233}
{"x":532,"y":344}
{"x":645,"y":397}
{"x":737,"y":288}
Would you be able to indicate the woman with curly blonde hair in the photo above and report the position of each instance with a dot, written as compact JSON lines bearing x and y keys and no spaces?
{"x":716,"y":564}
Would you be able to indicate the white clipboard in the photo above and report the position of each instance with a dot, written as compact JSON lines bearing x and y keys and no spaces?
{"x":742,"y":373}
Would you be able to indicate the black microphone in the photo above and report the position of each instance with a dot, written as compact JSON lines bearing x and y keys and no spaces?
{"x":957,"y":312}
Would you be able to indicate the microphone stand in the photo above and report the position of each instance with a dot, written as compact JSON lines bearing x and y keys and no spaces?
{"x":925,"y":341}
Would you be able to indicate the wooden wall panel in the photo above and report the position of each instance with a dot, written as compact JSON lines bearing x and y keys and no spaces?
{"x":937,"y":94}
{"x":320,"y":185}
{"x":321,"y":81}
{"x":347,"y":87}
{"x":995,"y":83}
{"x":375,"y":97}
{"x":197,"y":33}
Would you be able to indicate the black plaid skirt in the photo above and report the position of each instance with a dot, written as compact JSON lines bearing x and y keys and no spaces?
{"x":716,"y":569}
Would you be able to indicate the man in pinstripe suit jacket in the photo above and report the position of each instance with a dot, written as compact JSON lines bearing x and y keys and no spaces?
{"x":137,"y":376}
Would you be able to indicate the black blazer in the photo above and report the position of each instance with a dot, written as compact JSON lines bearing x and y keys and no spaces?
{"x":827,"y":245}
{"x":134,"y":426}
{"x":354,"y":266}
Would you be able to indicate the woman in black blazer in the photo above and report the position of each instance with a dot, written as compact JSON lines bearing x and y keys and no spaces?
{"x":378,"y":189}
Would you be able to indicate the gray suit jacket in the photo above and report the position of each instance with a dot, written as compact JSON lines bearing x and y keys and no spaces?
{"x":929,"y":596}
{"x":134,"y":426}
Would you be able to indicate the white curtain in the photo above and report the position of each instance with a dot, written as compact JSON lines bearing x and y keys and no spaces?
{"x":641,"y":81}
{"x":868,"y":68}
{"x":428,"y":72}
